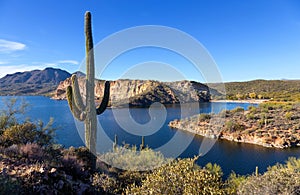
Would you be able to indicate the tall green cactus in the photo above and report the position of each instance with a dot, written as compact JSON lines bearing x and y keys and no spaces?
{"x":87,"y":112}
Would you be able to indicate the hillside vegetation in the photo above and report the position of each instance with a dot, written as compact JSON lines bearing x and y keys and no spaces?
{"x":269,"y":125}
{"x":279,"y":90}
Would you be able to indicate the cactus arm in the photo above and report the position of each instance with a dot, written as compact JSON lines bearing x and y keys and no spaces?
{"x":80,"y":115}
{"x":105,"y":99}
{"x":70,"y":97}
{"x":76,"y":93}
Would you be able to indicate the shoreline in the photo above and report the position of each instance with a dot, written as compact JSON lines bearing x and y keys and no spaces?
{"x":279,"y":130}
{"x":229,"y":138}
{"x":254,"y":101}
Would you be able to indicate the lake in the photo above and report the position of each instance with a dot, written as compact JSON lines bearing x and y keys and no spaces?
{"x":231,"y":156}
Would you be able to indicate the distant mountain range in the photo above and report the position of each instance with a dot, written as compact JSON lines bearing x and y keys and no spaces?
{"x":281,"y":90}
{"x":53,"y":82}
{"x":36,"y":82}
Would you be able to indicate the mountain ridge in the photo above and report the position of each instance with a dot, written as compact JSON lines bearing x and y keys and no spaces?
{"x":35,"y":82}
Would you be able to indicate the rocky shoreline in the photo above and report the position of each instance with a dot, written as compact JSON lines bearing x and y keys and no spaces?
{"x":250,"y":101}
{"x":267,"y":126}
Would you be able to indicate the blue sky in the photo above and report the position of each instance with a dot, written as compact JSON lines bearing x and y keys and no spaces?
{"x":253,"y":39}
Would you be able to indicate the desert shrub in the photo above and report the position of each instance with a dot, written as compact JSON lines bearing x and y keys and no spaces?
{"x":252,"y":109}
{"x":19,"y":134}
{"x":279,"y":179}
{"x":28,"y":133}
{"x":238,"y":109}
{"x":11,"y":151}
{"x":103,"y":183}
{"x":132,"y":159}
{"x":224,"y":113}
{"x":204,"y":117}
{"x":233,"y":126}
{"x":13,"y":131}
{"x":128,"y":178}
{"x":250,"y":116}
{"x":9,"y":185}
{"x":81,"y":154}
{"x":214,"y":169}
{"x":45,"y":133}
{"x":8,"y":116}
{"x":32,"y":151}
{"x":233,"y":182}
{"x":73,"y":166}
{"x":288,"y":107}
{"x":288,"y":115}
{"x":179,"y":177}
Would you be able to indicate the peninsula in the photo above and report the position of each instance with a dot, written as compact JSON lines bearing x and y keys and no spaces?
{"x":269,"y":125}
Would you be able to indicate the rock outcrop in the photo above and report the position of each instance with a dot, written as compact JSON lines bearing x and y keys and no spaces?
{"x":268,"y":125}
{"x":143,"y":92}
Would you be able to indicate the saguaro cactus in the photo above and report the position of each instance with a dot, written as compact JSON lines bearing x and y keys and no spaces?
{"x":87,"y":112}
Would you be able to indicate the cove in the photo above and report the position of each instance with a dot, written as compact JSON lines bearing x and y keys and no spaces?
{"x":231,"y":156}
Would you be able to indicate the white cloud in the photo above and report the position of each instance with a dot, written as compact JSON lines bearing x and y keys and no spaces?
{"x":2,"y":62}
{"x":68,"y":62}
{"x":10,"y":46}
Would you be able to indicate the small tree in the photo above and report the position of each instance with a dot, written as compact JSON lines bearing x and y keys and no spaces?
{"x":8,"y":116}
{"x":252,"y":95}
{"x":15,"y":132}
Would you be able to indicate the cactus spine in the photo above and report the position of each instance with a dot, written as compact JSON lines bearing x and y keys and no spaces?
{"x":87,"y":112}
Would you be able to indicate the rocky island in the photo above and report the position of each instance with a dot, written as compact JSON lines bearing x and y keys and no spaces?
{"x":269,"y":125}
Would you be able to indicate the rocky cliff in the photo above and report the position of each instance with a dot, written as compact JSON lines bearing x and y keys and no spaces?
{"x":143,"y":92}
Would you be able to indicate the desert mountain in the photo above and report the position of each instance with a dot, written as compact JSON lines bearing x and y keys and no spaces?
{"x":36,"y":82}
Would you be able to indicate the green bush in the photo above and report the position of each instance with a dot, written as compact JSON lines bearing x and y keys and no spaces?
{"x":8,"y":116}
{"x":204,"y":117}
{"x":132,"y":159}
{"x":233,"y":126}
{"x":250,"y":116}
{"x":179,"y":177}
{"x":233,"y":182}
{"x":237,"y":109}
{"x":279,"y":179}
{"x":28,"y":133}
{"x":289,"y":115}
{"x":252,"y":109}
{"x":13,"y":131}
{"x":103,"y":183}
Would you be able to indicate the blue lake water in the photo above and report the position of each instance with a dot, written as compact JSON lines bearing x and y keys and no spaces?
{"x":231,"y":156}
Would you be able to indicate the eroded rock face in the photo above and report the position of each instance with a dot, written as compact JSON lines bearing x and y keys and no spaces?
{"x":143,"y":92}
